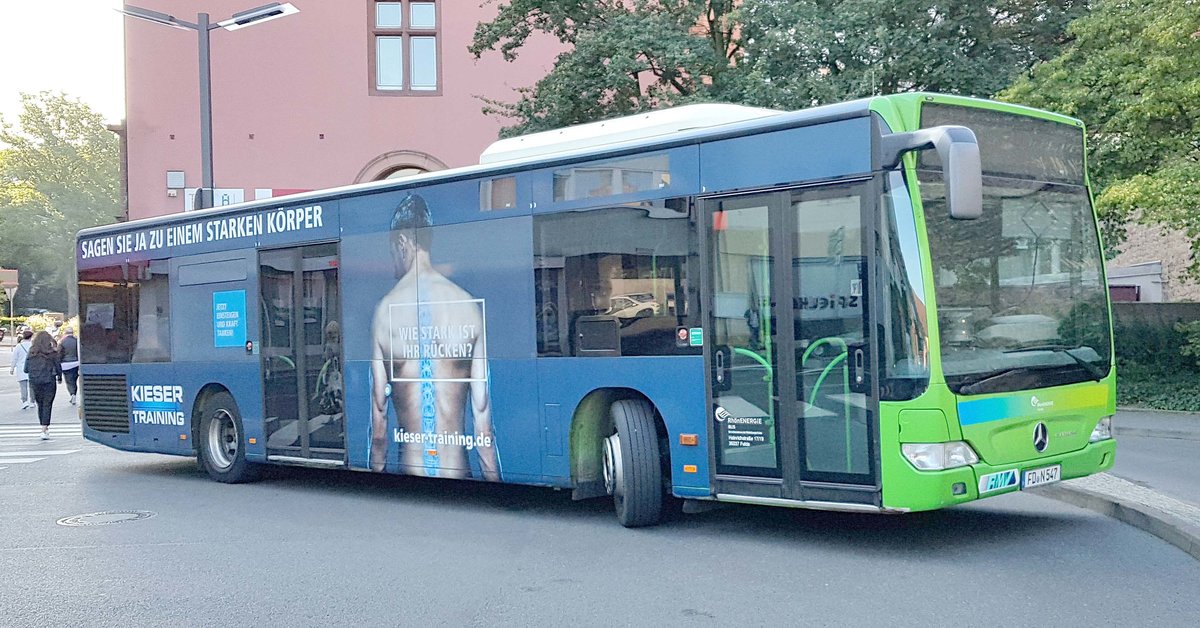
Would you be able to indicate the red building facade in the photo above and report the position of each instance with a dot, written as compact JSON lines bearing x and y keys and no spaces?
{"x":339,"y":93}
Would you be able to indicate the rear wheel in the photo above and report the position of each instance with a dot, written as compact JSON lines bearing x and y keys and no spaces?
{"x":222,"y":441}
{"x":632,"y":471}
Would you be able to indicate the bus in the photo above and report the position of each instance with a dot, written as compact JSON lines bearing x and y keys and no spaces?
{"x":887,"y":305}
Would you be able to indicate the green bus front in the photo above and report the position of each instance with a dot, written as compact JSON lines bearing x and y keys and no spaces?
{"x":1022,"y":382}
{"x":868,"y":351}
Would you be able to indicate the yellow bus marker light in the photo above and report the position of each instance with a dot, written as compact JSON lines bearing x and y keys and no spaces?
{"x":689,"y":439}
{"x":689,"y":468}
{"x":431,"y":452}
{"x":253,"y":441}
{"x":183,"y":437}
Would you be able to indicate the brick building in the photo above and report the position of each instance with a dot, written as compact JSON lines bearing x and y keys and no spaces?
{"x":1153,"y":260}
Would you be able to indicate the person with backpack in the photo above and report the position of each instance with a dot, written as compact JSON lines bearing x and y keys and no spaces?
{"x":19,"y":353}
{"x":45,"y":374}
{"x":68,"y":355}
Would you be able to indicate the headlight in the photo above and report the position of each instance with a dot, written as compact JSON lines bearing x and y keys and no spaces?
{"x":938,"y":456}
{"x":1102,"y":431}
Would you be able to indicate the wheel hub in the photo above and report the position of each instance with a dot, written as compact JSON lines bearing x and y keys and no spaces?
{"x":614,"y":480}
{"x":223,"y":439}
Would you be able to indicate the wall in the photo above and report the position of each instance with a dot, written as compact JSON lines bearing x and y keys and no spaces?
{"x":1145,"y":243}
{"x":291,"y":107}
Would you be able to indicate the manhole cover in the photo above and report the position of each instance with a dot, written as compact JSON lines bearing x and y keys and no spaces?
{"x":105,"y":518}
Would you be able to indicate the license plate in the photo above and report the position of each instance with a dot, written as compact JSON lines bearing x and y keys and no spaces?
{"x":1038,"y":477}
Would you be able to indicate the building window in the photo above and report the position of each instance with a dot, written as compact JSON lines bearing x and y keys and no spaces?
{"x":405,"y":43}
{"x":402,"y":172}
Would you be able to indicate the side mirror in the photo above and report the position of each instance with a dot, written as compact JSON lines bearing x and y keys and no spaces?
{"x":958,"y":150}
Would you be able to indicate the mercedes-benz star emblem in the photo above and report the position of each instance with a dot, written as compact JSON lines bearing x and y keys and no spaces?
{"x":1041,"y":437}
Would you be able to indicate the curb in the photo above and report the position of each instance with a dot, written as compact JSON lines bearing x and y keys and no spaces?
{"x":1176,"y":530}
{"x":1155,"y":433}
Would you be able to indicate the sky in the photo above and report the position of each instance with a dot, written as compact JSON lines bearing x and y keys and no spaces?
{"x":34,"y":58}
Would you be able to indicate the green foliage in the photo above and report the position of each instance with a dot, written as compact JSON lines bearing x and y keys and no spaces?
{"x":803,"y":52}
{"x":1132,"y":73}
{"x":58,"y":174}
{"x":1191,"y":333}
{"x":1157,"y":386}
{"x":624,"y":57}
{"x":1157,"y":365}
{"x":1140,"y":343}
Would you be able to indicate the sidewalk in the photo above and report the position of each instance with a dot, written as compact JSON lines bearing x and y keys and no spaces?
{"x":1155,"y":483}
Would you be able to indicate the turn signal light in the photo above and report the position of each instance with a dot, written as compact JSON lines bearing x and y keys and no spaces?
{"x":689,"y":468}
{"x":689,"y":439}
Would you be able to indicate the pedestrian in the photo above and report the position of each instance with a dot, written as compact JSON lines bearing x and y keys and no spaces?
{"x":68,"y":354}
{"x":45,"y":373}
{"x":19,"y":353}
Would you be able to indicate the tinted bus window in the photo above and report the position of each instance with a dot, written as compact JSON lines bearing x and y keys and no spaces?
{"x":611,"y":178}
{"x":126,"y":312}
{"x":619,"y":273}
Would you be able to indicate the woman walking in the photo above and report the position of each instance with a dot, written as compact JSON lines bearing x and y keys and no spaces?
{"x":17,"y":367}
{"x":68,"y":355}
{"x":45,"y":373}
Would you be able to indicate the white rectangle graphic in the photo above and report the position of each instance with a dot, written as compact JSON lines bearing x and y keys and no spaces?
{"x":396,"y":322}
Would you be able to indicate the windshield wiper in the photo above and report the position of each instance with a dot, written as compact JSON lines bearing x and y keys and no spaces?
{"x":1092,"y":369}
{"x":979,"y":385}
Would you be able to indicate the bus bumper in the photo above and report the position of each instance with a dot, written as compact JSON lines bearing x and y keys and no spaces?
{"x":915,"y":490}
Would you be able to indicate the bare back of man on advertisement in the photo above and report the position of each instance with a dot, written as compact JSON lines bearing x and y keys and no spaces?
{"x":430,"y":360}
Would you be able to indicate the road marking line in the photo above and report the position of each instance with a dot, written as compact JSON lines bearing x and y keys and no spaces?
{"x":38,"y":428}
{"x":21,"y":460}
{"x":61,"y":452}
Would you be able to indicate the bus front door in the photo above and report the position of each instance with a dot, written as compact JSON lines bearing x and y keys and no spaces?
{"x":788,"y":345}
{"x":301,"y":351}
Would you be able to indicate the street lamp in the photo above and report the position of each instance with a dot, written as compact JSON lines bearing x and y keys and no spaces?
{"x":202,"y":27}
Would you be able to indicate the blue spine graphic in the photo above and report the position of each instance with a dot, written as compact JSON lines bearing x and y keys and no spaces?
{"x":428,"y":398}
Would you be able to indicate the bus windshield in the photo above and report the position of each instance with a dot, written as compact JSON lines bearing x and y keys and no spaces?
{"x":1020,"y":292}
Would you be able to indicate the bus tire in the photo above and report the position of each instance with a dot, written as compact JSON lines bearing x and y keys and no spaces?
{"x":632,"y":471}
{"x":223,"y":441}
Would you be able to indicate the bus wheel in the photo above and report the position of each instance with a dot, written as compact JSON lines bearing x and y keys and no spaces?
{"x":632,"y":474}
{"x":222,"y":449}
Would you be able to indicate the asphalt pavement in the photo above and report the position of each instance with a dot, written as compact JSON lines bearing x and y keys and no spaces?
{"x":312,"y":547}
{"x":1154,"y":487}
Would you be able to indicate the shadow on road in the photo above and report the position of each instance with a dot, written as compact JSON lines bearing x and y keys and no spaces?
{"x":986,"y":527}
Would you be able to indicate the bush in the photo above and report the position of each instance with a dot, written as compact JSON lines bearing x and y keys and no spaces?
{"x":1158,"y":365}
{"x":1157,"y":386}
{"x":1151,"y":345}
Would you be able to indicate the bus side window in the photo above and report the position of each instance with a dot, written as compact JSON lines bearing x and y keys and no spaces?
{"x":614,"y":270}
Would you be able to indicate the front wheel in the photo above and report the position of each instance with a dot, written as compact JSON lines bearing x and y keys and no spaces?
{"x":222,"y":441}
{"x":632,"y":471}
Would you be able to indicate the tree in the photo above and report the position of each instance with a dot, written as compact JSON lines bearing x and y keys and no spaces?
{"x":624,"y":57}
{"x":58,"y":174}
{"x":798,"y":53}
{"x":1132,"y":74}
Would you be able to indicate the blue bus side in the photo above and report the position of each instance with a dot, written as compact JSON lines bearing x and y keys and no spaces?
{"x":488,"y":254}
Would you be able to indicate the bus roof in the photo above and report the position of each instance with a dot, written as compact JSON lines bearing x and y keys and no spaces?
{"x":642,"y":126}
{"x":670,"y":127}
{"x":663,"y":128}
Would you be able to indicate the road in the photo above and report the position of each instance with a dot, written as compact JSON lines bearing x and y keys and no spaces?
{"x":307,"y":547}
{"x":1169,"y":465}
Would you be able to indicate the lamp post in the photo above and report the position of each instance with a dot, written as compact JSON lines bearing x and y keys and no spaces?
{"x":202,"y":26}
